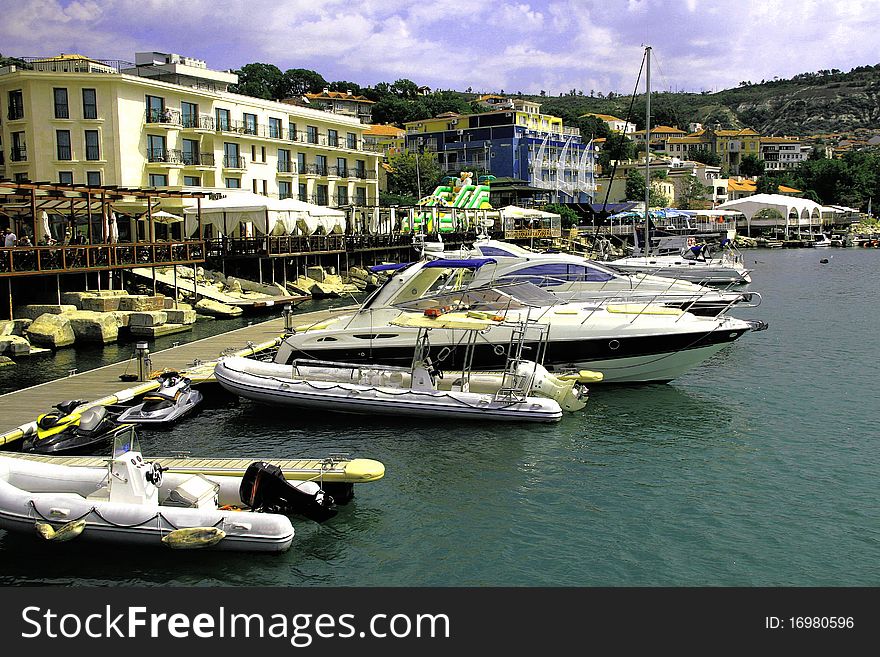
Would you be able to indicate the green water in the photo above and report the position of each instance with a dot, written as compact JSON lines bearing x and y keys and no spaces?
{"x":757,"y":468}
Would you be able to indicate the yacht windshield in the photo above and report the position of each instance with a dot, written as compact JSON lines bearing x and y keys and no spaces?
{"x":125,"y":441}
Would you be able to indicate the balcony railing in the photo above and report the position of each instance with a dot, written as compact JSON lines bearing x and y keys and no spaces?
{"x":233,"y":162}
{"x":165,"y":116}
{"x":286,"y":166}
{"x":340,"y":172}
{"x":166,"y":155}
{"x":198,"y":159}
{"x":18,"y":154}
{"x":15,"y":112}
{"x":62,"y":111}
{"x":193,"y":122}
{"x":52,"y":259}
{"x":316,"y":169}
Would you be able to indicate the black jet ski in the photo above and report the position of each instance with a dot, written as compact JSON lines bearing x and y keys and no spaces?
{"x":67,"y":430}
{"x":174,"y":398}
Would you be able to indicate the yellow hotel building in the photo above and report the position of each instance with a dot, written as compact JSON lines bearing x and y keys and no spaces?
{"x":168,"y":121}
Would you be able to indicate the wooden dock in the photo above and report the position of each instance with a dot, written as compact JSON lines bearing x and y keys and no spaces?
{"x":20,"y":408}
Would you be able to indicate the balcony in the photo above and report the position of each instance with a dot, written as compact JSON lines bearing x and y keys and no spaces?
{"x":171,"y":157}
{"x":198,"y":159}
{"x":18,"y":154}
{"x":316,"y":170}
{"x":286,"y":167}
{"x":362,"y":174}
{"x":169,"y":118}
{"x":15,"y":113}
{"x":195,"y":123}
{"x":233,"y":162}
{"x":339,"y":172}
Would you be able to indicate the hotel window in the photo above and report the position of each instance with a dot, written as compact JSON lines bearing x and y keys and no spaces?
{"x":62,"y":140}
{"x":233,"y":183}
{"x":93,"y":147}
{"x":190,"y":152}
{"x":158,"y":180}
{"x":19,"y":147}
{"x":342,"y":196}
{"x":291,"y":131}
{"x":231,"y":159}
{"x":284,"y":164}
{"x":156,"y":148}
{"x":321,"y":197}
{"x":360,"y":196}
{"x":250,"y":124}
{"x":303,"y":192}
{"x":93,"y":178}
{"x":301,"y":162}
{"x":351,"y":141}
{"x":275,"y":128}
{"x":21,"y":177}
{"x":189,"y":115}
{"x":16,"y":105}
{"x":341,"y":167}
{"x":155,"y":109}
{"x":311,"y":134}
{"x":284,"y":189}
{"x":90,"y":104}
{"x":360,"y":169}
{"x":192,"y":181}
{"x":65,"y":177}
{"x":321,"y":165}
{"x":332,"y":138}
{"x":223,"y":119}
{"x":62,"y":109}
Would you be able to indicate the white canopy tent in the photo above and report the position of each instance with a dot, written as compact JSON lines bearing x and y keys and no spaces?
{"x":267,"y":215}
{"x":794,"y":211}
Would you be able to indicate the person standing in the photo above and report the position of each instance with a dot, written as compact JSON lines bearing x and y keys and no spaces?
{"x":10,"y":237}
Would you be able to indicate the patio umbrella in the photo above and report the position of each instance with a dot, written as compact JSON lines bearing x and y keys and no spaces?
{"x":162,"y":217}
{"x":43,"y":231}
{"x":114,"y":229}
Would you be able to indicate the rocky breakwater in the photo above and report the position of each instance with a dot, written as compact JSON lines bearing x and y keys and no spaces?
{"x":323,"y":283}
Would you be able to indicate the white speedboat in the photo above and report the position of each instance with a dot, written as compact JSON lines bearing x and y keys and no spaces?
{"x":691,"y":263}
{"x":574,"y":278}
{"x":134,"y":502}
{"x":174,"y":398}
{"x":523,"y":391}
{"x":626,"y":342}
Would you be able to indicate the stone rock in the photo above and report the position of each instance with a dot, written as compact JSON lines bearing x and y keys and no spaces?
{"x":76,"y":298}
{"x":217,"y":309}
{"x":14,"y":345}
{"x":21,"y":326}
{"x":142,"y":303}
{"x":90,"y":326}
{"x":33,"y":311}
{"x":7,"y":328}
{"x":233,"y":285}
{"x":6,"y":362}
{"x":158,"y":331}
{"x":148,"y":318}
{"x":51,"y":330}
{"x":101,"y":304}
{"x":316,"y":273}
{"x":181,"y":316}
{"x":120,"y":317}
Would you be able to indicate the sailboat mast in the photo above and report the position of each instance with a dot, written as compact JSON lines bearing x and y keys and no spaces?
{"x":647,"y":246}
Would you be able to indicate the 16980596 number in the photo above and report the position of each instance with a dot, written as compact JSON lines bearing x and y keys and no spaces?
{"x":821,"y":622}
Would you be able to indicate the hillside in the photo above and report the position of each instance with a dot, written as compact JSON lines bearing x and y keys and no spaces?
{"x":807,"y":104}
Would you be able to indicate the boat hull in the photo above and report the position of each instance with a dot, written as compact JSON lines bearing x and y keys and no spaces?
{"x":354,"y":398}
{"x":32,"y":492}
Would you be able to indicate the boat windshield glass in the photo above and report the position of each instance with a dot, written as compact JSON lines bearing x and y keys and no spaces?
{"x":432,"y":281}
{"x":125,"y":441}
{"x":497,"y":298}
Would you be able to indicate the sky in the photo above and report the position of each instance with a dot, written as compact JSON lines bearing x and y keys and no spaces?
{"x":492,"y":46}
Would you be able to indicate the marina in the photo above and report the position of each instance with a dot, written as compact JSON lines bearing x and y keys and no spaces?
{"x":709,"y":479}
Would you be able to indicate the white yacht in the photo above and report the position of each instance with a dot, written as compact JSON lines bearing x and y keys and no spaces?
{"x":634,"y":341}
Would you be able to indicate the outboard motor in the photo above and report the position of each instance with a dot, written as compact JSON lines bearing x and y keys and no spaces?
{"x":264,"y":488}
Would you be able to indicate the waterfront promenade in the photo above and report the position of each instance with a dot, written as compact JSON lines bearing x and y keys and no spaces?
{"x":23,"y":406}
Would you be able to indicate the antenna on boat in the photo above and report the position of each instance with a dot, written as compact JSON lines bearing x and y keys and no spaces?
{"x":647,"y":247}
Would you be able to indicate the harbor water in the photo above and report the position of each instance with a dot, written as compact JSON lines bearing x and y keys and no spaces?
{"x":757,"y":468}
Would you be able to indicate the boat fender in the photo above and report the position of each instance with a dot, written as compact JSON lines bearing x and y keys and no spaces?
{"x":190,"y":538}
{"x":64,"y":533}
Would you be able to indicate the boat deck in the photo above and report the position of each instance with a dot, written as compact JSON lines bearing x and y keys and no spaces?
{"x":103,"y":385}
{"x":332,"y":469}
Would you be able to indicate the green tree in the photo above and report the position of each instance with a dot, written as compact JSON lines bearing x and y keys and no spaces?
{"x":635,"y":190}
{"x":617,"y":147}
{"x":258,"y":80}
{"x":342,"y":85}
{"x":569,"y":218}
{"x":751,"y":165}
{"x":693,"y":194}
{"x":704,"y":156}
{"x":413,"y":175}
{"x":767,"y":185}
{"x":299,"y":81}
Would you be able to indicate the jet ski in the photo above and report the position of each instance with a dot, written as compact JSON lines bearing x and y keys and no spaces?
{"x":174,"y":398}
{"x":67,"y":430}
